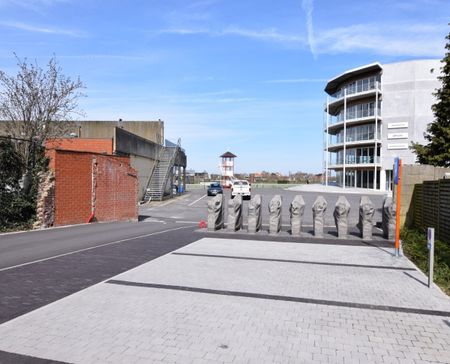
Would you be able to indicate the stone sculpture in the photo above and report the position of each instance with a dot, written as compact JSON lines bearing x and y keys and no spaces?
{"x":254,"y":214}
{"x":388,"y":218}
{"x":366,"y":212}
{"x":341,"y":211}
{"x":296,"y":211}
{"x":235,"y":213}
{"x":275,"y":214}
{"x":215,"y":213}
{"x":319,"y":208}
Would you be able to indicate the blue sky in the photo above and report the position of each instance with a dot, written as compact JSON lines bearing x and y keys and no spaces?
{"x":239,"y":75}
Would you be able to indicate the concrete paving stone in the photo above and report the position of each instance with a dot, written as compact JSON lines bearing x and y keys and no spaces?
{"x":155,"y":324}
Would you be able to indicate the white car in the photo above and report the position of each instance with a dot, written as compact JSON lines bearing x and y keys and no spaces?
{"x":242,"y":188}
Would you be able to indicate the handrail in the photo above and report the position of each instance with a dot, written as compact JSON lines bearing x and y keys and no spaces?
{"x":171,"y":161}
{"x":157,"y":160}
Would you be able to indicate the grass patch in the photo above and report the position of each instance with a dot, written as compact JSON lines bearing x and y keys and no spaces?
{"x":415,"y":248}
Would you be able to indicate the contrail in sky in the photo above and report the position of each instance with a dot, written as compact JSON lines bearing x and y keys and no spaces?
{"x":308,"y":7}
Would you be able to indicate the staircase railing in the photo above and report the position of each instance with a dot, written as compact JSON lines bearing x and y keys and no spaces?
{"x":170,"y":165}
{"x":161,"y":183}
{"x":147,"y":196}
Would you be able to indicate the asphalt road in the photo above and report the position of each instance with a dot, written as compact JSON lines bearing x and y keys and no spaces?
{"x":39,"y":267}
{"x":193,"y":207}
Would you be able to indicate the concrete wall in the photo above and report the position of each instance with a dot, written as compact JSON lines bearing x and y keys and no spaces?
{"x":144,"y":155}
{"x":151,"y":130}
{"x":143,"y":166}
{"x":411,"y":175}
{"x":407,"y":97}
{"x":128,"y":143}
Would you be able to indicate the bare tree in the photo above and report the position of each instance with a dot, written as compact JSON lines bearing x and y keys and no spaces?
{"x":37,"y":104}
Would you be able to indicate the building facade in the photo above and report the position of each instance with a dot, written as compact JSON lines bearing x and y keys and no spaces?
{"x":372,"y":114}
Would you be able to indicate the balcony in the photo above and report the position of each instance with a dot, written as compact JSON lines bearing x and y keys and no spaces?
{"x":354,"y":117}
{"x":364,"y":85}
{"x":355,"y":162}
{"x":356,"y":90}
{"x":353,"y":143}
{"x":355,"y":136}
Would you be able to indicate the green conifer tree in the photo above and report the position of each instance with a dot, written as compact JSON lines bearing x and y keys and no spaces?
{"x":437,"y":151}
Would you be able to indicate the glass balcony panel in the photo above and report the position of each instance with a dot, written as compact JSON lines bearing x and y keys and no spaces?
{"x":363,"y":85}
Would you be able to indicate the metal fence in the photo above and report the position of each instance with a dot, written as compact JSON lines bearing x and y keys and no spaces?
{"x":431,"y":201}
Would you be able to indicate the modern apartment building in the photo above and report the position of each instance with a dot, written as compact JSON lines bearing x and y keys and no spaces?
{"x":372,"y":115}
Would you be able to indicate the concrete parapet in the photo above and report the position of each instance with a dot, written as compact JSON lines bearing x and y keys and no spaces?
{"x":275,"y":205}
{"x":234,"y":213}
{"x":341,"y":211}
{"x":366,"y":212}
{"x":254,"y":214}
{"x":296,"y":211}
{"x":319,"y":207}
{"x":215,"y":213}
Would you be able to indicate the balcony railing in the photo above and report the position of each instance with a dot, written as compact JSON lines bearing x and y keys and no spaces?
{"x":356,"y":160}
{"x":353,"y":114}
{"x":339,"y":139}
{"x":363,"y":85}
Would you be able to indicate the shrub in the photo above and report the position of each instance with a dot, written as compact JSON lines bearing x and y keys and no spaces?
{"x":415,"y":248}
{"x":17,"y":209}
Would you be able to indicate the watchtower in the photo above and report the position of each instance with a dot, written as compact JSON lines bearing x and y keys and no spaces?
{"x":227,"y":168}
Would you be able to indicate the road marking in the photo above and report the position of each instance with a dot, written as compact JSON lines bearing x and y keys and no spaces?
{"x":154,"y":220}
{"x":314,"y":301}
{"x":351,"y":265}
{"x":192,"y":203}
{"x":186,"y":222}
{"x":94,"y":247}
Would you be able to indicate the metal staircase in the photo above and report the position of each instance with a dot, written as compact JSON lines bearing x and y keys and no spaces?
{"x":161,"y":173}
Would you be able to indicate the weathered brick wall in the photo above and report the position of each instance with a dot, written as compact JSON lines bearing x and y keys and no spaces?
{"x":73,"y":187}
{"x":45,"y":209}
{"x":86,"y":182}
{"x":116,"y":188}
{"x":104,"y":146}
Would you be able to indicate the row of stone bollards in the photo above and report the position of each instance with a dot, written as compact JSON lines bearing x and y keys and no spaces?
{"x":296,"y":212}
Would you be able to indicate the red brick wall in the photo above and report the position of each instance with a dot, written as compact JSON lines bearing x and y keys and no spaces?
{"x":104,"y":146}
{"x":116,"y":190}
{"x":115,"y":187}
{"x":73,"y":187}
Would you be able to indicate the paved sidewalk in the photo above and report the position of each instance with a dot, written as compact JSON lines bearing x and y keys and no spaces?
{"x":225,"y":300}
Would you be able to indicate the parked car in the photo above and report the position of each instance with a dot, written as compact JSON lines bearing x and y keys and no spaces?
{"x":241,"y":187}
{"x":214,"y":188}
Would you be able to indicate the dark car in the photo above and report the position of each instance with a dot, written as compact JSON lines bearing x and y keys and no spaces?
{"x":214,"y":188}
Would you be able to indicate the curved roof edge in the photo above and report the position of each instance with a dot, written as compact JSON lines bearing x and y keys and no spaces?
{"x":333,"y":84}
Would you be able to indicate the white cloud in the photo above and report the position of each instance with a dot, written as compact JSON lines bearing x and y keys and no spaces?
{"x":308,"y":7}
{"x":32,"y":5}
{"x":120,"y":57}
{"x":298,"y":80}
{"x":418,"y":40}
{"x":270,"y":34}
{"x":184,"y":31}
{"x":202,"y":3}
{"x":46,"y":30}
{"x":390,"y":39}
